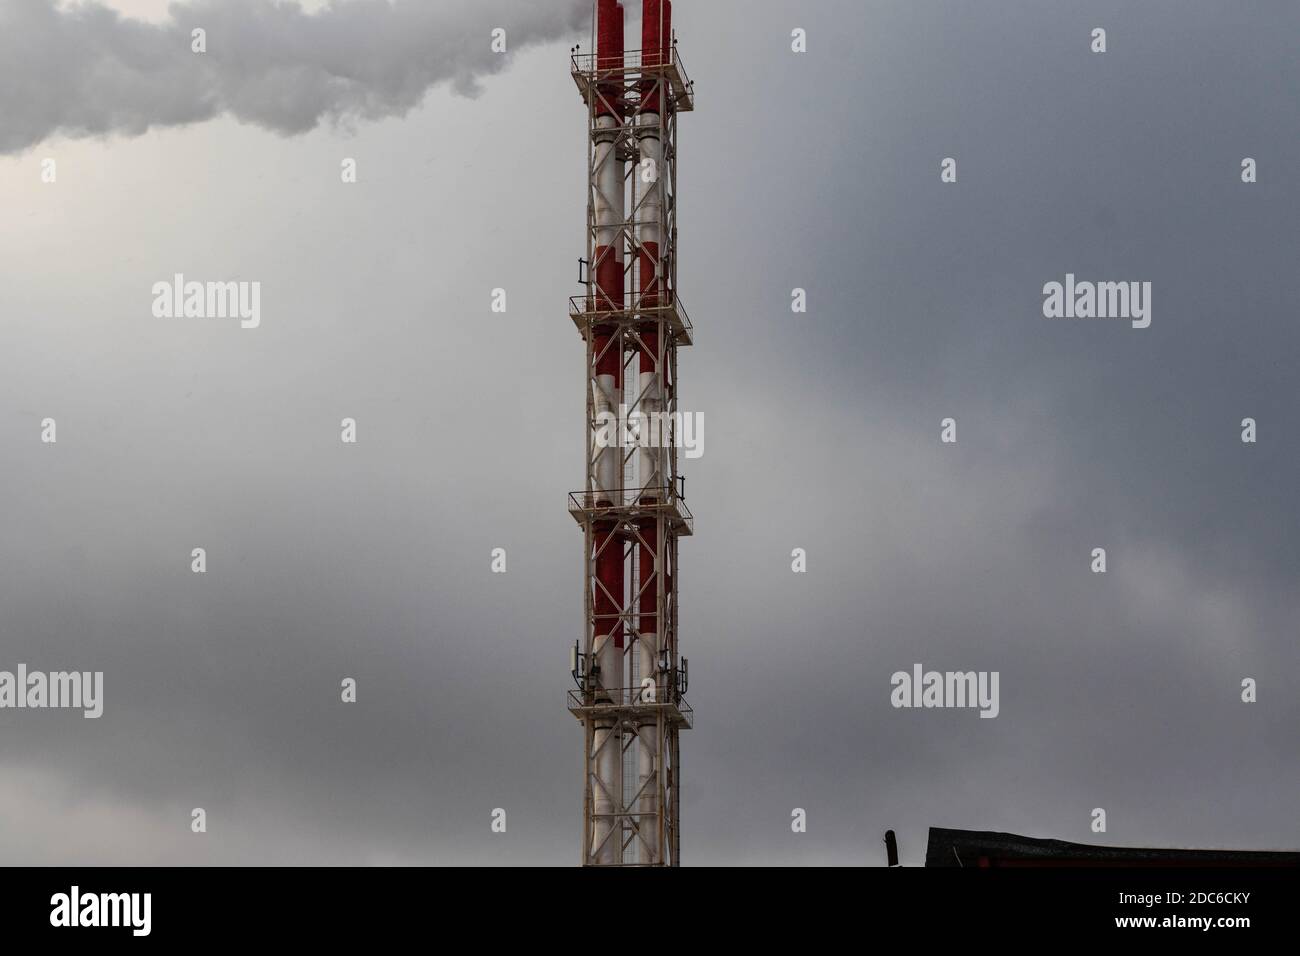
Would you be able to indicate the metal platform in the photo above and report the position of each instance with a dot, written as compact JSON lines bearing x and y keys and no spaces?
{"x":674,"y":710}
{"x":586,"y":314}
{"x":586,"y":76}
{"x":587,"y":507}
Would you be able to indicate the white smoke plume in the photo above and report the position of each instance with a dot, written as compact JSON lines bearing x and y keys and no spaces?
{"x":81,"y":69}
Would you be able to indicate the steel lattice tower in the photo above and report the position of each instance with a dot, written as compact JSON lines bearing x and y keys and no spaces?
{"x":630,"y":675}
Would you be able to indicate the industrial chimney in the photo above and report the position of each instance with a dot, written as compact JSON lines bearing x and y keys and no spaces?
{"x":631,"y":678}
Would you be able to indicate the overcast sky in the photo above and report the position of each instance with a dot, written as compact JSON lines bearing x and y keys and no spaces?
{"x":818,"y":170}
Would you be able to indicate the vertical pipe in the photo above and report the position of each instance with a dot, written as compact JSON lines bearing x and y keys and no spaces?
{"x":607,"y":257}
{"x":648,"y":203}
{"x":607,"y":272}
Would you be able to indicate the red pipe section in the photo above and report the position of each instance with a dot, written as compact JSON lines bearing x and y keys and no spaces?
{"x":656,"y":36}
{"x":609,"y":56}
{"x":656,"y":45}
{"x":609,"y":596}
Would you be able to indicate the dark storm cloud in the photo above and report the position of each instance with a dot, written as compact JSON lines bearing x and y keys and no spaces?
{"x":83,"y":70}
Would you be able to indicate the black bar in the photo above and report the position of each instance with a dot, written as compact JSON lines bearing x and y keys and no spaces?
{"x":978,"y":906}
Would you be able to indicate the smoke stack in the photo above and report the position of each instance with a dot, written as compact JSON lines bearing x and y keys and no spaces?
{"x":630,"y":510}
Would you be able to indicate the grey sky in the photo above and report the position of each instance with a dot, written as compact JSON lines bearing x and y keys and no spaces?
{"x":819,"y":171}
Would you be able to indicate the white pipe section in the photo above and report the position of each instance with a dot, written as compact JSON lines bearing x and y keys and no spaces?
{"x":610,"y":456}
{"x":648,"y":179}
{"x":649,"y":209}
{"x":606,"y":838}
{"x":647,"y":748}
{"x":610,"y":188}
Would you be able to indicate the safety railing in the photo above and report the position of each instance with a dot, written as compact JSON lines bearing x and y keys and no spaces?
{"x":643,"y":701}
{"x":632,"y":503}
{"x":592,"y":68}
{"x":651,"y":307}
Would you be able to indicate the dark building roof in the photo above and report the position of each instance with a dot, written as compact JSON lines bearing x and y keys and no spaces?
{"x":984,"y":848}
